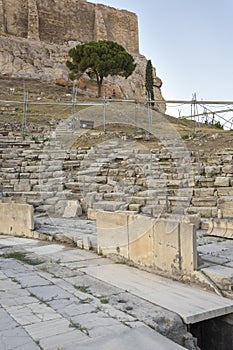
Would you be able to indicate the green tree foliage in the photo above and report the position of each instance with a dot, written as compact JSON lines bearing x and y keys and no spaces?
{"x":149,"y":80}
{"x":100,"y":59}
{"x":218,"y":125}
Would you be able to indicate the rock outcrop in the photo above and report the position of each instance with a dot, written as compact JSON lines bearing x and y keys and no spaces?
{"x":35,"y":37}
{"x":61,"y":21}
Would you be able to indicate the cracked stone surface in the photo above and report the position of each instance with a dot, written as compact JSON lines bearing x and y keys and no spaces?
{"x":57,"y":305}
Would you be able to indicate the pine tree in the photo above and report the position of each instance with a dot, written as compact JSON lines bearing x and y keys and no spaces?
{"x":100,"y":59}
{"x":149,"y":80}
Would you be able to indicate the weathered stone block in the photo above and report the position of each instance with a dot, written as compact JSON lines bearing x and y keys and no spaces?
{"x":222,"y":277}
{"x":72,"y":209}
{"x":188,"y":247}
{"x":205,"y":212}
{"x":112,"y":233}
{"x":222,"y":182}
{"x":225,"y":191}
{"x":141,"y":240}
{"x":167,"y":246}
{"x":108,"y":205}
{"x":91,"y":214}
{"x":204,"y":192}
{"x":217,"y":227}
{"x":106,"y":188}
{"x":135,"y":207}
{"x":205,"y":182}
{"x":22,"y":187}
{"x":16,"y":219}
{"x":204,"y":201}
{"x":226,"y":206}
{"x":227,"y":169}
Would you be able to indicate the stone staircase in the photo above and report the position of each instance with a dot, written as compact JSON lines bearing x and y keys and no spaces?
{"x":117,"y":175}
{"x":114,"y":177}
{"x":30,"y":174}
{"x":214,"y":186}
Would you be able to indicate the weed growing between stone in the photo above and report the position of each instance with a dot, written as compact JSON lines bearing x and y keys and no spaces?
{"x":22,"y":257}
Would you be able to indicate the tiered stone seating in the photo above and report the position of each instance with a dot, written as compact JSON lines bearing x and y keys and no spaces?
{"x":117,"y":175}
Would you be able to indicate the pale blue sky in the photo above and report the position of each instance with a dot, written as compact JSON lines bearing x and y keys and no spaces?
{"x":190,"y":42}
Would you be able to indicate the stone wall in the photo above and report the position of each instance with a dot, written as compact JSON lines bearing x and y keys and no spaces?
{"x":164,"y":245}
{"x":61,"y":21}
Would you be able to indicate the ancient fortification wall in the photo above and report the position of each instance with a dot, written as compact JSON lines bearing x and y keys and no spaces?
{"x":61,"y":21}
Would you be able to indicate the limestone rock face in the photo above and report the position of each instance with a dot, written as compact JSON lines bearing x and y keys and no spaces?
{"x":59,"y":21}
{"x":35,"y":36}
{"x":32,"y":59}
{"x":134,"y":86}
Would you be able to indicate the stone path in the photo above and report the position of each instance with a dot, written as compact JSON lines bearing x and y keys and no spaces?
{"x":217,"y":261}
{"x":55,"y":297}
{"x":216,"y":252}
{"x":48,"y":301}
{"x":191,"y":303}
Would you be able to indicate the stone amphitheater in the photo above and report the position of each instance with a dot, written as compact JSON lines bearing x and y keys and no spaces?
{"x":138,"y":195}
{"x":116,"y":220}
{"x":118,"y":173}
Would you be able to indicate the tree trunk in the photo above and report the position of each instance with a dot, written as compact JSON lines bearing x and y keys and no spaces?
{"x":99,"y":84}
{"x":99,"y":89}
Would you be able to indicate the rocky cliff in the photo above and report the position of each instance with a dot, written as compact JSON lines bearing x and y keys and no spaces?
{"x":61,"y":21}
{"x":35,"y":36}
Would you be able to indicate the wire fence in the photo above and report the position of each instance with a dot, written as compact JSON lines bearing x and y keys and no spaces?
{"x":27,"y":112}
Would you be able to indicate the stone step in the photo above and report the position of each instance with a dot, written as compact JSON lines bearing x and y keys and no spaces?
{"x":221,"y":277}
{"x":110,"y":206}
{"x":205,"y":182}
{"x":156,"y":183}
{"x":73,"y":186}
{"x":205,"y":212}
{"x":175,"y":200}
{"x":221,"y":228}
{"x":93,"y":179}
{"x":136,"y":200}
{"x":225,"y":205}
{"x":49,"y":188}
{"x":151,"y":193}
{"x":32,"y":194}
{"x":213,"y":191}
{"x":115,"y":196}
{"x":224,"y":191}
{"x":182,"y":192}
{"x":204,"y":192}
{"x":204,"y":201}
{"x":153,"y":210}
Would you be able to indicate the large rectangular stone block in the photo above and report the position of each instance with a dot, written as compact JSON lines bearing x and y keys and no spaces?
{"x":108,"y":205}
{"x":222,"y":181}
{"x":221,"y":228}
{"x":16,"y":219}
{"x":188,"y":247}
{"x":167,"y":246}
{"x":141,"y":239}
{"x":226,"y":206}
{"x":204,"y":192}
{"x":204,"y":201}
{"x":112,"y":233}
